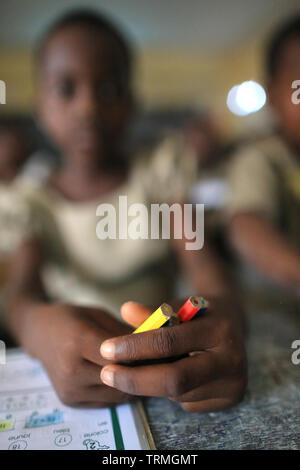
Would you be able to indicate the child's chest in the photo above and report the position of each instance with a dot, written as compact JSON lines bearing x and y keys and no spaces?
{"x":112,"y":238}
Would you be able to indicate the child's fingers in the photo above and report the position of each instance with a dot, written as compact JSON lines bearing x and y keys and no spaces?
{"x":164,"y":342}
{"x":134,"y":313}
{"x":93,"y":394}
{"x":104,"y":393}
{"x":164,"y":380}
{"x":88,"y":346}
{"x":230,"y":388}
{"x":207,"y":406}
{"x":85,"y":373}
{"x":106,"y":321}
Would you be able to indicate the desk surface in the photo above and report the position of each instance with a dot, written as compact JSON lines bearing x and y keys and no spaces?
{"x":269,"y":416}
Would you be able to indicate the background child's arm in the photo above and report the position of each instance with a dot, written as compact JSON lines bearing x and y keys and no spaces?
{"x":258,"y":241}
{"x":206,"y":272}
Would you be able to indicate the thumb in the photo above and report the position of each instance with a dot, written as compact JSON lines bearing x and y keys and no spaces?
{"x":134,"y":313}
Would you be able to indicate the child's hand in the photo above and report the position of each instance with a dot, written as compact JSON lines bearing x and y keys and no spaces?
{"x":212,"y":377}
{"x":67,"y":340}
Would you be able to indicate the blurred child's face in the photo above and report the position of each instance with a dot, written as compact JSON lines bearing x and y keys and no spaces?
{"x":13,"y":153}
{"x":280,"y":90}
{"x":82,"y":102}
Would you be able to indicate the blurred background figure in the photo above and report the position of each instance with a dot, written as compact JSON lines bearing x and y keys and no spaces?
{"x":14,"y":151}
{"x":204,"y":137}
{"x":20,"y":165}
{"x":198,"y":84}
{"x":263,"y":207}
{"x":190,"y":59}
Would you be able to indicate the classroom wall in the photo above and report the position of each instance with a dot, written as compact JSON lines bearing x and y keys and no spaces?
{"x":164,"y":76}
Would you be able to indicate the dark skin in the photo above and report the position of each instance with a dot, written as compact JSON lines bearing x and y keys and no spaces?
{"x":211,"y":376}
{"x":83,"y":110}
{"x":66,"y":338}
{"x":280,"y":92}
{"x":255,"y":238}
{"x":13,"y":154}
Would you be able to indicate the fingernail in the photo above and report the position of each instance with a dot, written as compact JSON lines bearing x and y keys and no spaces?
{"x":107,"y":376}
{"x":107,"y":349}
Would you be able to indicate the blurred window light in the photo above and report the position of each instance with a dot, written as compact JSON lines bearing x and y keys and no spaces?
{"x":246,"y":98}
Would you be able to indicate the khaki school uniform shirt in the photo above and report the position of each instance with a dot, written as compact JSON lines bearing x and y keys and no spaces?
{"x":264,"y":177}
{"x":84,"y":270}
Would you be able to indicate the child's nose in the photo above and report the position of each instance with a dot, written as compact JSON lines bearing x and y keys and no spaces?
{"x":87,"y":105}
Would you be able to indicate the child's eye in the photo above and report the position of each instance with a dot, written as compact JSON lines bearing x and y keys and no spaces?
{"x":109,"y":92}
{"x":66,"y":89}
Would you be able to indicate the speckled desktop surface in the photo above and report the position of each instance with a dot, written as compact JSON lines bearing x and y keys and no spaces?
{"x":269,"y":416}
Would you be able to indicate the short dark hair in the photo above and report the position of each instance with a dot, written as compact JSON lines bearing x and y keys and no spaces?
{"x":92,"y":20}
{"x":286,"y":31}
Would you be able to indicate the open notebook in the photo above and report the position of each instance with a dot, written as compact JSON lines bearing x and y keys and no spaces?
{"x":32,"y":416}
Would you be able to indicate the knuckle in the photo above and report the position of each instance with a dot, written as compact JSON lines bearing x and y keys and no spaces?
{"x":164,"y":342}
{"x":68,"y":367}
{"x":71,"y":345}
{"x":131,"y":346}
{"x":225,"y":328}
{"x":131,"y":387}
{"x":177,"y":384}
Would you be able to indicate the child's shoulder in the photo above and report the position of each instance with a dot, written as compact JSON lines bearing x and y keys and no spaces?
{"x":270,"y":146}
{"x":268,"y":152}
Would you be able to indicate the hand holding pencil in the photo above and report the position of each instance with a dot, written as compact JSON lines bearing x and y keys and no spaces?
{"x":211,"y":380}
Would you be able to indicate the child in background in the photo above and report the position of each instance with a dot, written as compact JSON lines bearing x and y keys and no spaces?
{"x":17,"y":168}
{"x":213,"y":154}
{"x":199,"y":138}
{"x":66,"y":287}
{"x":263,"y":209}
{"x":14,"y":151}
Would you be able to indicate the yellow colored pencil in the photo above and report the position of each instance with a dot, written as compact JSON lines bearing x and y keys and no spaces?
{"x":157,"y":319}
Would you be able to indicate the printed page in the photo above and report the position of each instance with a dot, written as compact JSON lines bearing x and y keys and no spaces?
{"x":32,"y":416}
